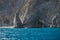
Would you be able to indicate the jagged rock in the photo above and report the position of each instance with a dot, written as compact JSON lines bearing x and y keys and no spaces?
{"x":41,"y":13}
{"x":31,"y":13}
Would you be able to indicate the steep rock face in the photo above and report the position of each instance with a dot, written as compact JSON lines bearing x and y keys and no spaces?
{"x":32,"y":13}
{"x":42,"y":13}
{"x":7,"y":10}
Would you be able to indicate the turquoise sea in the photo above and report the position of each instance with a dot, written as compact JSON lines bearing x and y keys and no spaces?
{"x":29,"y":33}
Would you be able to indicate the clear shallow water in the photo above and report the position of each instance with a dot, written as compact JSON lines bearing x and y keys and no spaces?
{"x":30,"y":34}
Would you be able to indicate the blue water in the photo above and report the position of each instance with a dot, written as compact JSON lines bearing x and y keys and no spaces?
{"x":29,"y":33}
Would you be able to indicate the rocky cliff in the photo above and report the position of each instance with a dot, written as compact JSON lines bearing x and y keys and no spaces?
{"x":32,"y":13}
